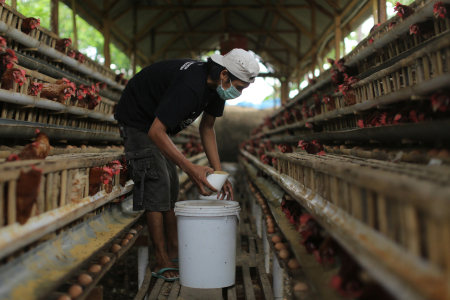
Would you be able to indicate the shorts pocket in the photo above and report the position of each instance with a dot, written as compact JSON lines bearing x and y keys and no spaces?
{"x":142,"y":165}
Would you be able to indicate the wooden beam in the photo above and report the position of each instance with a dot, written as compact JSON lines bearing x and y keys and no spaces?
{"x":247,"y":31}
{"x":112,"y":5}
{"x":14,"y":4}
{"x":260,"y":6}
{"x":322,"y":9}
{"x":375,"y":11}
{"x":74,"y":21}
{"x":337,"y":36}
{"x":54,"y":16}
{"x":122,"y":13}
{"x":106,"y":36}
{"x":333,"y":5}
{"x":382,"y":13}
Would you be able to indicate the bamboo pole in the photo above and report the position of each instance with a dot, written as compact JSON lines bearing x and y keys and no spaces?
{"x":74,"y":20}
{"x":54,"y":15}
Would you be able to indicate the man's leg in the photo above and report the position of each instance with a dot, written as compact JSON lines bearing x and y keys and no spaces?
{"x":170,"y":227}
{"x":156,"y":229}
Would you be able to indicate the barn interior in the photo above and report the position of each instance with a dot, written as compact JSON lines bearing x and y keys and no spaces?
{"x":343,"y":188}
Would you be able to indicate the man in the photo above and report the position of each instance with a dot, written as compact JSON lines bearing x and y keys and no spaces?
{"x":164,"y":98}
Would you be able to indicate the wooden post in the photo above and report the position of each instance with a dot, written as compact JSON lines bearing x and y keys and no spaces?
{"x":54,"y":16}
{"x":134,"y":46}
{"x":14,"y":4}
{"x":284,"y":91}
{"x":74,"y":20}
{"x":382,"y":13}
{"x":375,"y":11}
{"x":337,"y":36}
{"x":106,"y":35}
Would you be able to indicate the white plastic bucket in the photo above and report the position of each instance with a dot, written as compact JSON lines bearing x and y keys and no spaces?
{"x":207,"y":242}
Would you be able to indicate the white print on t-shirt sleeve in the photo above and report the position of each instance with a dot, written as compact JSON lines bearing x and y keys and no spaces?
{"x":186,"y":65}
{"x":186,"y":123}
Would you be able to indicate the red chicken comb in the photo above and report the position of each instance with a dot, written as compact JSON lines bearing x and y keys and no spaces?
{"x":23,"y":72}
{"x":436,"y":5}
{"x":37,"y":131}
{"x":10,"y":51}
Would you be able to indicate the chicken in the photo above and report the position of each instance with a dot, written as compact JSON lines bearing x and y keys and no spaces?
{"x":266,"y":160}
{"x":317,"y":105}
{"x":97,"y":176}
{"x":11,"y":76}
{"x":441,"y":10}
{"x":340,"y":65}
{"x":347,"y":282}
{"x":329,"y":102}
{"x":285,"y":148}
{"x":79,"y":97}
{"x":268,"y":123}
{"x":39,"y":149}
{"x":124,"y":173}
{"x":274,"y":162}
{"x":279,"y":121}
{"x":7,"y":60}
{"x":392,"y":25}
{"x":57,"y":92}
{"x":349,"y":94}
{"x":424,"y":29}
{"x":79,"y":56}
{"x":313,"y":147}
{"x":29,"y":24}
{"x":297,"y":113}
{"x":269,"y":146}
{"x":119,"y":77}
{"x":310,"y":230}
{"x":336,"y":76}
{"x":2,"y":44}
{"x":440,"y":102}
{"x":101,"y":85}
{"x":2,"y":2}
{"x":115,"y":167}
{"x":34,"y":88}
{"x":26,"y":193}
{"x":261,"y":151}
{"x":62,"y":44}
{"x":403,"y":11}
{"x":250,"y":149}
{"x":327,"y":251}
{"x":330,"y":61}
{"x":305,"y":110}
{"x":288,"y":117}
{"x":71,"y":54}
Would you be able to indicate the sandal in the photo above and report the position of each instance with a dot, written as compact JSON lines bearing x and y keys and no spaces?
{"x":160,"y":272}
{"x":175,"y":260}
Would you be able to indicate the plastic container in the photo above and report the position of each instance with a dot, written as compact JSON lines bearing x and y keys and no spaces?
{"x":207,"y":242}
{"x":217,"y":181}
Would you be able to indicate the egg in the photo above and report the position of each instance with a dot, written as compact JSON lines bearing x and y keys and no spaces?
{"x":276,"y":239}
{"x":83,"y":146}
{"x":356,"y":148}
{"x":264,"y":206}
{"x":64,"y":297}
{"x":69,"y":147}
{"x":104,"y":260}
{"x":95,"y":268}
{"x":270,"y":229}
{"x":115,"y":248}
{"x":293,"y":264}
{"x":301,"y":287}
{"x":129,"y":236}
{"x":284,"y":254}
{"x":336,"y":147}
{"x":266,"y":211}
{"x":270,"y":222}
{"x":75,"y":291}
{"x":138,"y":227}
{"x":84,"y":279}
{"x":280,"y":246}
{"x":269,"y":217}
{"x":376,"y":150}
{"x":132,"y":231}
{"x":124,"y":242}
{"x":414,"y":152}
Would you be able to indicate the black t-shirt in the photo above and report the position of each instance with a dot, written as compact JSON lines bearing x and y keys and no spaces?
{"x":174,"y":90}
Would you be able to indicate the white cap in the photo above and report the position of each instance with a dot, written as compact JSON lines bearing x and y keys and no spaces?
{"x":240,"y":63}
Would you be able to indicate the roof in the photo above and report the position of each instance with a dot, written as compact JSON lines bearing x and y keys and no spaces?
{"x":281,"y":32}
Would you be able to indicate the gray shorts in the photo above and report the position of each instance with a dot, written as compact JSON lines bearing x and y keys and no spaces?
{"x":156,"y":185}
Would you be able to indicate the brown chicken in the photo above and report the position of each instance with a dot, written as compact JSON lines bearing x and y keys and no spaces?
{"x":2,"y":44}
{"x":285,"y":148}
{"x":441,"y":10}
{"x":329,"y":102}
{"x":39,"y":149}
{"x":62,"y":44}
{"x":403,"y":11}
{"x":119,"y":77}
{"x":124,"y":172}
{"x":29,"y":24}
{"x":349,"y":94}
{"x":314,"y":147}
{"x":97,"y":176}
{"x":11,"y":76}
{"x":317,"y":105}
{"x":26,"y":193}
{"x":80,"y":57}
{"x":57,"y":92}
{"x":71,"y":54}
{"x":7,"y":61}
{"x":35,"y":88}
{"x":424,"y":29}
{"x":93,"y":102}
{"x":80,"y":95}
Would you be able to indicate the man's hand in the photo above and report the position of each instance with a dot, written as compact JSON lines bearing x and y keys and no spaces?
{"x":227,"y":190}
{"x":198,"y":176}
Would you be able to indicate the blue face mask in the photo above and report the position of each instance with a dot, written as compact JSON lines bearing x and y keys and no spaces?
{"x":230,"y":93}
